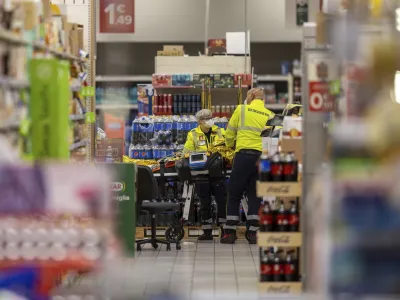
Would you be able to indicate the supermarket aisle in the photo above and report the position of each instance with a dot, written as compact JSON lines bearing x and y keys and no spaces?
{"x":199,"y":268}
{"x":198,"y":271}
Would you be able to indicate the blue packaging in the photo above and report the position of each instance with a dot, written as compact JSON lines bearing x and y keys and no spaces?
{"x":285,"y":66}
{"x":163,"y":152}
{"x":264,"y":166}
{"x":133,"y":152}
{"x":156,"y":152}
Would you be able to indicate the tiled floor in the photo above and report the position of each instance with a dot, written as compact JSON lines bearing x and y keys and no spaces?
{"x":200,"y":267}
{"x":203,"y":270}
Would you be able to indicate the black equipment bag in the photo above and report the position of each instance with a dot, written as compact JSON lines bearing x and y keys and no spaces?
{"x":215,"y":165}
{"x":183,"y":169}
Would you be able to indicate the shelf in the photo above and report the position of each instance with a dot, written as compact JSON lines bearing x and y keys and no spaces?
{"x":78,"y":145}
{"x":279,"y":239}
{"x":116,"y":106}
{"x":10,"y":126}
{"x":77,"y":117}
{"x":279,"y":189}
{"x":281,"y":288}
{"x":17,"y":40}
{"x":273,"y":78}
{"x":233,"y":89}
{"x":122,"y":78}
{"x":14,"y":83}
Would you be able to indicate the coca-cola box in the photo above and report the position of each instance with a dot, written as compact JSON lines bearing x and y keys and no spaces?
{"x":293,"y":145}
{"x":117,"y":146}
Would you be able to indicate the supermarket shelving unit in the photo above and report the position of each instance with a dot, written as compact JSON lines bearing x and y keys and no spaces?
{"x":21,"y":84}
{"x":274,"y":79}
{"x":281,"y":239}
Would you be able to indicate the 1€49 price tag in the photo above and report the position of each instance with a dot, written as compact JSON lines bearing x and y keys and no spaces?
{"x":117,"y":16}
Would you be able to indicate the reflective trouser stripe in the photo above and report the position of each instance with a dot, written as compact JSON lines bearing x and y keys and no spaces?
{"x":254,"y":228}
{"x":232,"y":218}
{"x":221,"y":220}
{"x":208,"y":221}
{"x":206,"y":227}
{"x":231,"y":227}
{"x":253,"y":217}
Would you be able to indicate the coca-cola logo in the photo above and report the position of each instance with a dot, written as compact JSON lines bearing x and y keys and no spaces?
{"x":280,"y":189}
{"x":279,"y":289}
{"x":283,"y":239}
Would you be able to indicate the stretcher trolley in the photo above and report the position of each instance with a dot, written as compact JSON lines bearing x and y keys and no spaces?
{"x":193,"y":168}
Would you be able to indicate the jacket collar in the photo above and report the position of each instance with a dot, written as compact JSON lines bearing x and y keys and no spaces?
{"x":257,"y":102}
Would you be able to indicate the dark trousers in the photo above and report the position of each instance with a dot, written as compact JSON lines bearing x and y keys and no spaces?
{"x":204,"y":191}
{"x":243,"y":179}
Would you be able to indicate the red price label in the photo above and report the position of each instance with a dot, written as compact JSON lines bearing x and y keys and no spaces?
{"x":320,"y":99}
{"x":117,"y":16}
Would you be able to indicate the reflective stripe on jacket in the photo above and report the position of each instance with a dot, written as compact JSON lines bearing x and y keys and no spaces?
{"x":197,"y":141}
{"x":246,"y":125}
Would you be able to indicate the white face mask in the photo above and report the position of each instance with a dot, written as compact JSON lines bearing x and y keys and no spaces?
{"x":209,"y":123}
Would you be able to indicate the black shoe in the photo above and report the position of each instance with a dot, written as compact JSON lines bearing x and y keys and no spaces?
{"x":205,"y":237}
{"x":251,"y":237}
{"x":228,"y":238}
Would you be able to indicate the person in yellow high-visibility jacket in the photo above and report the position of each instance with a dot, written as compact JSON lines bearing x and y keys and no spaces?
{"x":198,"y":140}
{"x":244,"y":133}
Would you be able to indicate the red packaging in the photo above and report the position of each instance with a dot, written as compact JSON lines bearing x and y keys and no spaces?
{"x":155,"y":100}
{"x":165,"y":110}
{"x":161,"y":110}
{"x":161,"y":80}
{"x":155,"y":109}
{"x":169,"y":110}
{"x":246,"y":80}
{"x":217,"y":43}
{"x":169,"y":99}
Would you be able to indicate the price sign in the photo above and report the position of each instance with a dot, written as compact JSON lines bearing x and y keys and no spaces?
{"x":117,"y":16}
{"x":320,"y":99}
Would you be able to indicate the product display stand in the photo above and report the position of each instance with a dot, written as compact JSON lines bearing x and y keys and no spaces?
{"x":318,"y":69}
{"x":273,"y":274}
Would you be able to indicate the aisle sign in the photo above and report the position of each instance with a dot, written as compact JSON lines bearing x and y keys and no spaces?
{"x":117,"y":16}
{"x":322,"y":70}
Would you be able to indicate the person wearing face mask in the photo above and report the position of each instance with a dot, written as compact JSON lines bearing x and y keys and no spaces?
{"x":198,"y":140}
{"x":244,"y":133}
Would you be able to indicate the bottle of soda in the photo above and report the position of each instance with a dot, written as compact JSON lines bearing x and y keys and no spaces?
{"x":281,"y":218}
{"x":290,"y":267}
{"x":276,"y":167}
{"x":266,"y":266}
{"x":266,"y":217}
{"x":264,"y":167}
{"x":293,"y":217}
{"x":290,"y":167}
{"x":277,"y":270}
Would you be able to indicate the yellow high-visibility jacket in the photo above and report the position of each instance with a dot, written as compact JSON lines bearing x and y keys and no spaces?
{"x":196,"y":140}
{"x":246,"y":125}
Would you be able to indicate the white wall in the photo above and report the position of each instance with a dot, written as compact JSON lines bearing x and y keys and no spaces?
{"x":183,"y":20}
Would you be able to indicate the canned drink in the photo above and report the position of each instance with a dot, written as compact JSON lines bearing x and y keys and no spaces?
{"x":232,"y":108}
{"x":165,"y":109}
{"x":169,"y":99}
{"x":223,"y":111}
{"x":155,"y":100}
{"x":217,"y":111}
